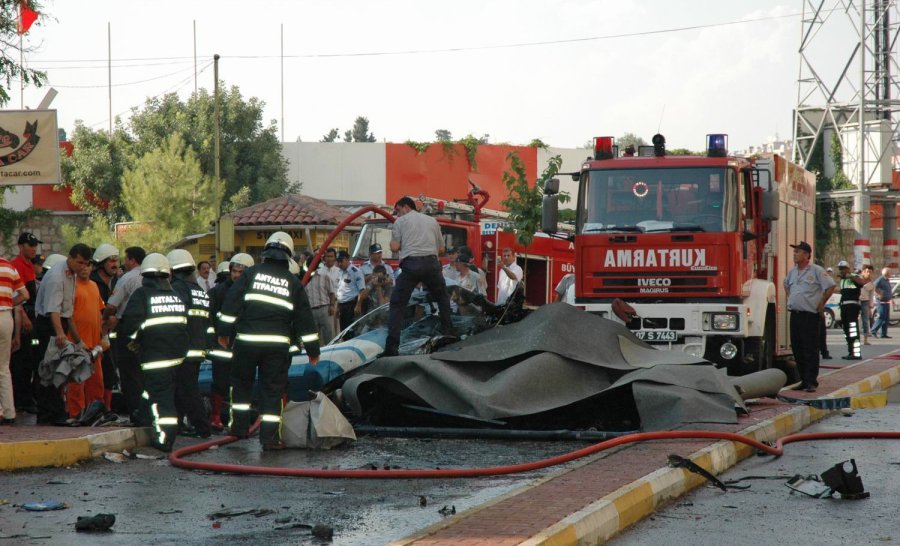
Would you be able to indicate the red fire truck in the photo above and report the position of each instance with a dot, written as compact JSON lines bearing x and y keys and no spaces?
{"x":486,"y":232}
{"x":696,"y":245}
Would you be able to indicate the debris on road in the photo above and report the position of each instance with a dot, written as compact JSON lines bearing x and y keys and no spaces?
{"x":114,"y":457}
{"x":234,"y":512}
{"x":836,"y":479}
{"x":99,"y":522}
{"x":447,"y":511}
{"x":45,"y":506}
{"x":677,"y":461}
{"x":423,"y":502}
{"x":323,"y":532}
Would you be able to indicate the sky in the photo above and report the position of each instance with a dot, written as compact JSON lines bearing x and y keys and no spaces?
{"x":561,"y":71}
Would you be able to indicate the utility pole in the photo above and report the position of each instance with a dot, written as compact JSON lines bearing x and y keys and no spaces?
{"x":216,"y":157}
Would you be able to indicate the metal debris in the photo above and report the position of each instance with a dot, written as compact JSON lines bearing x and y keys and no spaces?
{"x":447,"y":511}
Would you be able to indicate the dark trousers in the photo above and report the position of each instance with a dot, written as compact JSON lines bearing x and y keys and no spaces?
{"x":23,"y":368}
{"x":130,"y":377}
{"x":850,"y":322}
{"x":110,"y":374}
{"x":187,"y":395}
{"x":221,"y":374}
{"x":273,"y":363}
{"x":346,"y":313}
{"x":884,"y":315}
{"x":805,"y":344}
{"x":416,"y":269}
{"x":48,"y":398}
{"x":823,"y":341}
{"x":158,"y":402}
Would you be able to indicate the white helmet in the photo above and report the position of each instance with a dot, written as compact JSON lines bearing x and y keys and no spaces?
{"x":293,"y":266}
{"x":243,"y":259}
{"x":181,"y":259}
{"x":222,"y":267}
{"x":53,"y":259}
{"x":104,"y":252}
{"x":156,"y":263}
{"x":281,"y":240}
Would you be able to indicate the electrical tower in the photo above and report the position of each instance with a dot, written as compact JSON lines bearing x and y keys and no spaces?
{"x":855,"y":101}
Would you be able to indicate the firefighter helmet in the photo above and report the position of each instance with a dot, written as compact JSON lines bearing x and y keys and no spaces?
{"x":281,"y":240}
{"x":181,"y":259}
{"x":104,"y":252}
{"x":222,"y":267}
{"x":52,"y":260}
{"x":156,"y":265}
{"x":242,"y":259}
{"x":293,"y":266}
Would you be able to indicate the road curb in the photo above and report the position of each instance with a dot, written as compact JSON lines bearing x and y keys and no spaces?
{"x":613,"y":513}
{"x":64,"y":452}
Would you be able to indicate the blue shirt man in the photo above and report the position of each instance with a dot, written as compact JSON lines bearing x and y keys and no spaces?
{"x":351,"y":291}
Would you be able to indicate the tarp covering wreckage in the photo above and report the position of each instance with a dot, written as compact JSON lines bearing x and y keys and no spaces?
{"x":558,"y":367}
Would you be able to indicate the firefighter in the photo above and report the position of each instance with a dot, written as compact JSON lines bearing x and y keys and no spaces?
{"x":155,"y":319}
{"x":220,"y":356}
{"x":850,"y":286}
{"x":187,"y":391}
{"x":265,"y":312}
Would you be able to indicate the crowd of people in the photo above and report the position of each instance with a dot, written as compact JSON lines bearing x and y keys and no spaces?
{"x":74,"y":327}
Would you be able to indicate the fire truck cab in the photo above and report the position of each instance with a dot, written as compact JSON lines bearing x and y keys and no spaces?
{"x":696,"y":245}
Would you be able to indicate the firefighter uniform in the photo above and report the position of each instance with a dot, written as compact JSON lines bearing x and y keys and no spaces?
{"x":219,"y":356}
{"x":265,"y":312}
{"x":156,"y":321}
{"x":187,"y":391}
{"x":850,"y":307}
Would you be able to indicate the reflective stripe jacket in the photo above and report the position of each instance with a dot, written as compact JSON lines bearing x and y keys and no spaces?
{"x":156,"y":317}
{"x":268,"y":306}
{"x":198,"y":313}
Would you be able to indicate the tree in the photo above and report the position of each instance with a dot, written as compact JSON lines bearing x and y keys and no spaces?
{"x":192,"y":198}
{"x":629,"y":139}
{"x":250,"y":153}
{"x":94,"y":171}
{"x":360,"y":131}
{"x":10,"y":69}
{"x":524,"y":200}
{"x":331,"y":136}
{"x":443,"y":135}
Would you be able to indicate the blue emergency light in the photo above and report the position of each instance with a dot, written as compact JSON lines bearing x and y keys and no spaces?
{"x":717,"y":145}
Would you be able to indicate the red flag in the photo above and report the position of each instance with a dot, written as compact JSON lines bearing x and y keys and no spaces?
{"x":27,"y":17}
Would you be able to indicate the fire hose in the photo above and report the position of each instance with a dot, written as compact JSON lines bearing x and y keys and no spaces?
{"x":177,"y":458}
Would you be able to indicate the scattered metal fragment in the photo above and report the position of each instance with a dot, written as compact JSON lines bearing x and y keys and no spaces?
{"x":234,"y":512}
{"x":45,"y":506}
{"x":423,"y":502}
{"x":165,"y":512}
{"x":677,"y":461}
{"x":295,"y":525}
{"x":848,"y":484}
{"x":98,"y":522}
{"x":323,"y":532}
{"x":809,"y":485}
{"x":447,"y":511}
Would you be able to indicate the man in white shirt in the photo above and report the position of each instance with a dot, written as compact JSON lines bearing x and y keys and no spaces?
{"x":510,"y":275}
{"x":329,"y":267}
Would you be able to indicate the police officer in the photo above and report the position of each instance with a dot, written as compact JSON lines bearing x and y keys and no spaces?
{"x":187,"y":391}
{"x":221,"y":356}
{"x":265,"y":312}
{"x":155,"y":320}
{"x":850,"y":286}
{"x":351,"y":290}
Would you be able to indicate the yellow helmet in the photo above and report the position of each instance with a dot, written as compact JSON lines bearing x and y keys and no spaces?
{"x":281,"y":240}
{"x":156,"y":264}
{"x":181,"y":259}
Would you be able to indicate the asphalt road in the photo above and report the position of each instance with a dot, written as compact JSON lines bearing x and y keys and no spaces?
{"x":769,"y":512}
{"x":159,"y":504}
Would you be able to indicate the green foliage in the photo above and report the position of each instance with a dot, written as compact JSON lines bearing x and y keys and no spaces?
{"x":331,"y":136}
{"x":470,"y":143}
{"x":237,"y":201}
{"x":537,"y":143}
{"x":94,"y":171}
{"x":11,"y":221}
{"x":10,"y":69}
{"x":567,"y":215}
{"x":629,"y":139}
{"x":192,"y":199}
{"x":830,"y":213}
{"x":360,"y":131}
{"x":524,"y":200}
{"x":443,"y":135}
{"x":250,"y":153}
{"x":419,"y":147}
{"x":683,"y":151}
{"x":95,"y":233}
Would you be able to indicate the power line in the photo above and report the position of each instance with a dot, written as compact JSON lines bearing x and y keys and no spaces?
{"x":136,"y":82}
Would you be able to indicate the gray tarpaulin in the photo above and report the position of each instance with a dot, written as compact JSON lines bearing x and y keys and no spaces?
{"x":556,"y":357}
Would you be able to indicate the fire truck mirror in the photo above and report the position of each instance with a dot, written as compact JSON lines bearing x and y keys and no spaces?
{"x":550,"y":213}
{"x":551,"y":187}
{"x":770,"y":205}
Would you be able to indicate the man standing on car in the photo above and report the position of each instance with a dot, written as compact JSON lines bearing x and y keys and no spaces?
{"x":850,"y":286}
{"x":884,"y":291}
{"x":808,"y":288}
{"x":418,"y":239}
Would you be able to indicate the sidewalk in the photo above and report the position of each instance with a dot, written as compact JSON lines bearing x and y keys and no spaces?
{"x":614,"y":489}
{"x":27,"y":446}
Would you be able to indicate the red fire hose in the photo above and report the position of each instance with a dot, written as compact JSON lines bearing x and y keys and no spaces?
{"x":176,"y":458}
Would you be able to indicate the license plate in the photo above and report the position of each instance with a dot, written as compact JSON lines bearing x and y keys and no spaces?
{"x":656,"y":335}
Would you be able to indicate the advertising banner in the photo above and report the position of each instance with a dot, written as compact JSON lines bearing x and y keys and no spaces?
{"x":29,"y":149}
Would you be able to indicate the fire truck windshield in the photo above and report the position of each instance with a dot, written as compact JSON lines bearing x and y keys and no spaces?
{"x":658,"y":200}
{"x":371,"y":233}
